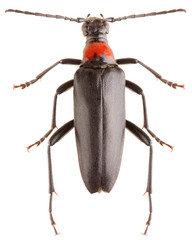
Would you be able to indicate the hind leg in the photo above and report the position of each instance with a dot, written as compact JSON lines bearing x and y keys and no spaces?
{"x":60,"y":133}
{"x":139,"y":133}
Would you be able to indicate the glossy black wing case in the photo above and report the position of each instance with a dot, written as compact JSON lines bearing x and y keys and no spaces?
{"x":99,"y":106}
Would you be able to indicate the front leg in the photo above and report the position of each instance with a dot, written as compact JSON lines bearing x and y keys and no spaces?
{"x":64,"y":87}
{"x":157,"y":75}
{"x":39,"y":76}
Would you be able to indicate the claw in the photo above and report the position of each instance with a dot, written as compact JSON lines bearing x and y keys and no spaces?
{"x":145,"y":233}
{"x":56,"y":233}
{"x":37,"y":143}
{"x":17,"y":86}
{"x":168,"y":146}
{"x":174,"y":85}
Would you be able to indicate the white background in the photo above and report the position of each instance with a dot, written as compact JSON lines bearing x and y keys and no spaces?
{"x":29,"y":45}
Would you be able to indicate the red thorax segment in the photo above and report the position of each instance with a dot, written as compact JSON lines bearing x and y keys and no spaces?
{"x":99,"y":49}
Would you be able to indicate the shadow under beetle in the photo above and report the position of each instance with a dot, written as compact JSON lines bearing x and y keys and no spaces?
{"x":99,"y":108}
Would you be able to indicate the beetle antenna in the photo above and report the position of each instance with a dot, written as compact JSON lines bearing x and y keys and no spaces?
{"x":111,"y":19}
{"x":78,"y":20}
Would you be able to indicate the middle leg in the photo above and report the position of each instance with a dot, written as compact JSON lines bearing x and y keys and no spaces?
{"x":64,"y":87}
{"x":135,"y":88}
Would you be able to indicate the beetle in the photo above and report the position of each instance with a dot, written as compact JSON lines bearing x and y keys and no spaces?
{"x":99,"y":108}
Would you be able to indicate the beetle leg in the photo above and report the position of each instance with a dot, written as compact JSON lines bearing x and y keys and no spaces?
{"x":61,"y":132}
{"x":64,"y":87}
{"x":139,"y":133}
{"x":157,"y":75}
{"x":135,"y":88}
{"x":39,"y":76}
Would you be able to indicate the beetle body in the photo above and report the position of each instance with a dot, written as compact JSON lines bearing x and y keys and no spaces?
{"x":99,"y":104}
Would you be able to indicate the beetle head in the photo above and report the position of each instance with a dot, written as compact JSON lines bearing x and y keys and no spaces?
{"x":94,"y":27}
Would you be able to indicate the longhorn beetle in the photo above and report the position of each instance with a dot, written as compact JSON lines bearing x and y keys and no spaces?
{"x":99,"y":108}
